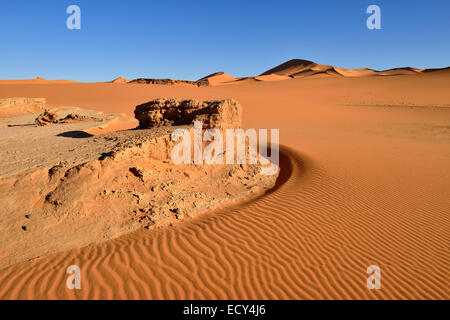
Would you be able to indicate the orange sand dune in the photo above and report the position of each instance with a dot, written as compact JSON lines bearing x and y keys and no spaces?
{"x":121,"y":80}
{"x":297,"y":68}
{"x":291,"y":67}
{"x":272,"y":77}
{"x":37,"y":80}
{"x":440,"y":71}
{"x":217,"y":78}
{"x":399,"y":71}
{"x":364,"y":180}
{"x":363,"y":72}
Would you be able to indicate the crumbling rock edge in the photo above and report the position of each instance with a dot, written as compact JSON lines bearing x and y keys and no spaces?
{"x":161,"y":112}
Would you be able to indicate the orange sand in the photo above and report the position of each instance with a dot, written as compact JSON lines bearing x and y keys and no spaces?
{"x":364,"y":180}
{"x":37,"y":80}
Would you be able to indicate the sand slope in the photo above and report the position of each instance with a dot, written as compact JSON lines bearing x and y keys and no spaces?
{"x":292,"y":69}
{"x":297,"y":68}
{"x":121,"y":80}
{"x":217,"y":78}
{"x":37,"y":80}
{"x":364,"y":180}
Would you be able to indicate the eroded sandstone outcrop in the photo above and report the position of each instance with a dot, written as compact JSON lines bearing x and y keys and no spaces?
{"x":168,"y":82}
{"x":46,"y":118}
{"x":12,"y":107}
{"x":101,"y":187}
{"x":50,"y":117}
{"x":172,"y":112}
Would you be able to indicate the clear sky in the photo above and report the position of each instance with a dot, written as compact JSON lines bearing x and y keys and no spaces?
{"x":192,"y":38}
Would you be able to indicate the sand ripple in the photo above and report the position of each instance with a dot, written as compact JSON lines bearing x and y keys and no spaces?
{"x":278,"y":246}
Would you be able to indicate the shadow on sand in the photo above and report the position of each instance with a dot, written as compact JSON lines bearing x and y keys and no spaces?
{"x":75,"y":134}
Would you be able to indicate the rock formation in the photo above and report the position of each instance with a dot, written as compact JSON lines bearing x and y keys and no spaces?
{"x":168,"y":82}
{"x":13,"y":107}
{"x":166,"y":112}
{"x":46,"y":118}
{"x":49,"y":117}
{"x":90,"y":190}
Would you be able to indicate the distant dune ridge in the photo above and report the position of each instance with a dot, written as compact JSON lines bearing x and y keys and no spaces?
{"x":211,"y":80}
{"x":37,"y":80}
{"x":297,"y":68}
{"x":120,"y":80}
{"x":292,"y":69}
{"x":217,"y":78}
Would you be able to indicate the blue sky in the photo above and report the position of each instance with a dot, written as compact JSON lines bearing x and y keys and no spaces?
{"x":190,"y":39}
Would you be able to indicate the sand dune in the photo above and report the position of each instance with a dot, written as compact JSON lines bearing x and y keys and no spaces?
{"x":363,"y":72}
{"x":399,"y":71}
{"x":292,"y":69}
{"x":217,"y":78}
{"x":297,"y":68}
{"x":364,"y":180}
{"x":37,"y":80}
{"x":120,"y":80}
{"x":441,"y":71}
{"x":271,"y":252}
{"x":272,"y":77}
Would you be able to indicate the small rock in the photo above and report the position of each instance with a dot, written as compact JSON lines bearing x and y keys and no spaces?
{"x":46,"y":118}
{"x":28,"y":216}
{"x":24,"y":228}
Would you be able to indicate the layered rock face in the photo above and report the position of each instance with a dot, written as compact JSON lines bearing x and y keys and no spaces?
{"x":219,"y":114}
{"x":168,"y":82}
{"x":12,"y":107}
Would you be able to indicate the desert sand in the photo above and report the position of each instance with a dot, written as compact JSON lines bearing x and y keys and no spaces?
{"x":121,"y":80}
{"x":37,"y":80}
{"x":364,"y":180}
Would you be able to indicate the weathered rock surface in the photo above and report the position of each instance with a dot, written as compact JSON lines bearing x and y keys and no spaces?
{"x":12,"y":107}
{"x":49,"y":117}
{"x":110,"y":185}
{"x":166,"y":112}
{"x":168,"y":82}
{"x":46,"y":118}
{"x":210,"y":80}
